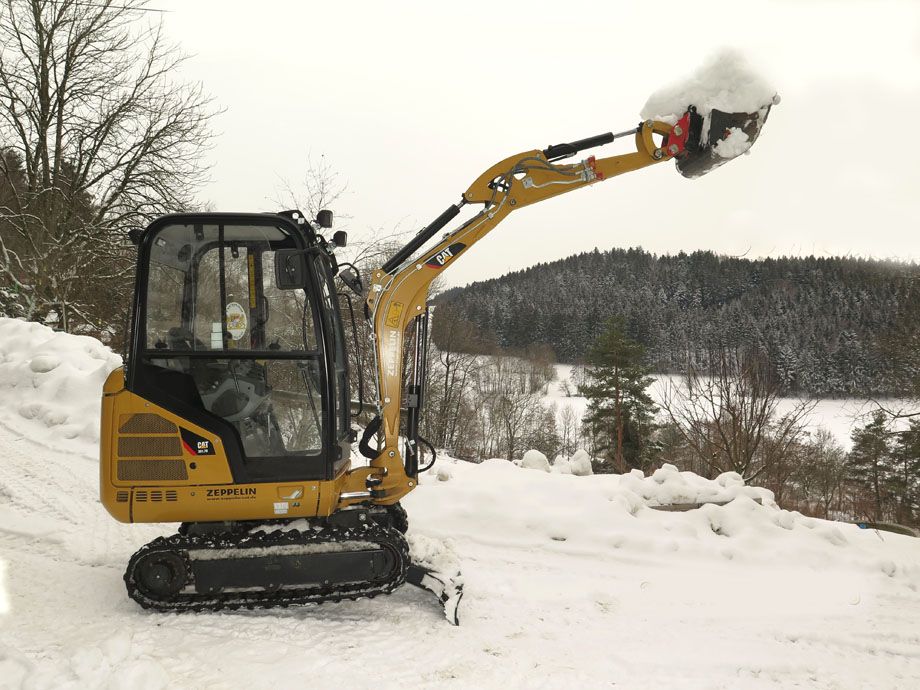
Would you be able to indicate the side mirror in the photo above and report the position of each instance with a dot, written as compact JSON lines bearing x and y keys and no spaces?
{"x":290,"y":269}
{"x":351,"y":278}
{"x":340,"y":238}
{"x":324,"y":218}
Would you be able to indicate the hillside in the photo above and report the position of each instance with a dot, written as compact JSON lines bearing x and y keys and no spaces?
{"x":830,"y":326}
{"x":570,"y":581}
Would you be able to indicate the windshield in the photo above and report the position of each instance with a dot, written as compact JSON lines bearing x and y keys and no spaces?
{"x":223,"y":337}
{"x":212,"y":287}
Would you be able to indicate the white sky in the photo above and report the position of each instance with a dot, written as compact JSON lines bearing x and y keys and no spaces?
{"x":412,"y":101}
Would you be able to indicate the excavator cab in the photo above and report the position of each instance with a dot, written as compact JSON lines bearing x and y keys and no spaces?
{"x":237,"y":330}
{"x":237,"y":371}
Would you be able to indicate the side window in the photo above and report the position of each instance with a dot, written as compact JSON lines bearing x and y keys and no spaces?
{"x":290,"y":316}
{"x":206,"y":333}
{"x":164,"y":305}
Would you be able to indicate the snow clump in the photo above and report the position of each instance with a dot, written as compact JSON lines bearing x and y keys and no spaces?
{"x":725,"y":82}
{"x":579,"y":464}
{"x":535,"y":460}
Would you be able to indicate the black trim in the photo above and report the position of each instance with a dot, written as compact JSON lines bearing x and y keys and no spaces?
{"x":233,"y":354}
{"x":559,"y":151}
{"x":423,"y":236}
{"x":222,"y":271}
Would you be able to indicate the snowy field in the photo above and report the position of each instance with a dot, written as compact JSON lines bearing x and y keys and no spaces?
{"x":569,"y":581}
{"x":837,"y":415}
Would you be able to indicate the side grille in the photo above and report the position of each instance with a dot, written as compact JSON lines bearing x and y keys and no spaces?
{"x":121,"y":496}
{"x":155,"y":496}
{"x":149,"y":446}
{"x":152,"y":470}
{"x":145,"y":423}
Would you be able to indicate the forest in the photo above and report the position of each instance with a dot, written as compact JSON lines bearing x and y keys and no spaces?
{"x":828,"y":326}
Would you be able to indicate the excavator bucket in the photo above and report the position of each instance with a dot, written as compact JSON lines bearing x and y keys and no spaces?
{"x":447,"y":587}
{"x":716,"y":138}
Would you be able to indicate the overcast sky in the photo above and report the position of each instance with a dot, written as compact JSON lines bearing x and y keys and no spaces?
{"x":410,"y":102}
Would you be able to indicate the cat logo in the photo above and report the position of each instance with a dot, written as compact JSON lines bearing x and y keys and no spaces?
{"x":440,"y":259}
{"x":195,"y":444}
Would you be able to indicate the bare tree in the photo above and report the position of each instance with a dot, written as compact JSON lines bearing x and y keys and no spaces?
{"x":730,"y":416}
{"x":568,"y":427}
{"x":96,"y":139}
{"x":825,"y":471}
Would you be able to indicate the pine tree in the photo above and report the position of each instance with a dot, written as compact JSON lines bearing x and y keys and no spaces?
{"x":620,"y":412}
{"x":907,"y":473}
{"x":869,"y":463}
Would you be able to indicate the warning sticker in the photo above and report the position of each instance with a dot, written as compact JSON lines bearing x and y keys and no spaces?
{"x":393,"y":314}
{"x":281,"y":508}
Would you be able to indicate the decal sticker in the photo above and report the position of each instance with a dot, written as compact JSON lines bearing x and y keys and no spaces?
{"x":195,"y":444}
{"x":392,"y":348}
{"x":395,"y":311}
{"x":230,"y":494}
{"x":441,"y":259}
{"x":236,"y":320}
{"x":281,"y":508}
{"x":251,"y":265}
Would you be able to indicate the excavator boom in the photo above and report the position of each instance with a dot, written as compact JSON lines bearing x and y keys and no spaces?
{"x":399,"y":289}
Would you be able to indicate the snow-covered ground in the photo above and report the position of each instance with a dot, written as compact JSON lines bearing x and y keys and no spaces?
{"x":569,"y":581}
{"x":837,"y":415}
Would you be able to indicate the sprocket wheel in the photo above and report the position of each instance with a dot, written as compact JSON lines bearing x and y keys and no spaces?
{"x":160,"y":574}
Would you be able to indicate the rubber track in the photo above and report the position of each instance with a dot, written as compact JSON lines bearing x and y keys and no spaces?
{"x":193,"y":601}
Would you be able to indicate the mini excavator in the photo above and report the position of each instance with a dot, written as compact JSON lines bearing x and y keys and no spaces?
{"x":232,"y":414}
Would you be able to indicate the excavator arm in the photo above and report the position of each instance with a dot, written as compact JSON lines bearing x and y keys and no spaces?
{"x":398,"y":291}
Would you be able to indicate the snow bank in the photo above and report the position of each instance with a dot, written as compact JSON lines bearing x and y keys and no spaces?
{"x":616,"y":515}
{"x":51,"y":383}
{"x":726,"y":82}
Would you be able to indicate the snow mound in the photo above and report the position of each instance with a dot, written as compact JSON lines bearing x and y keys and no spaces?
{"x":579,"y":464}
{"x":535,"y":460}
{"x":725,"y":82}
{"x":561,"y":465}
{"x":50,"y":382}
{"x":669,"y":486}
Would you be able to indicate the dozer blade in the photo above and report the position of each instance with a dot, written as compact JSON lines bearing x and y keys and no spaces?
{"x":448,"y":588}
{"x":717,"y":137}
